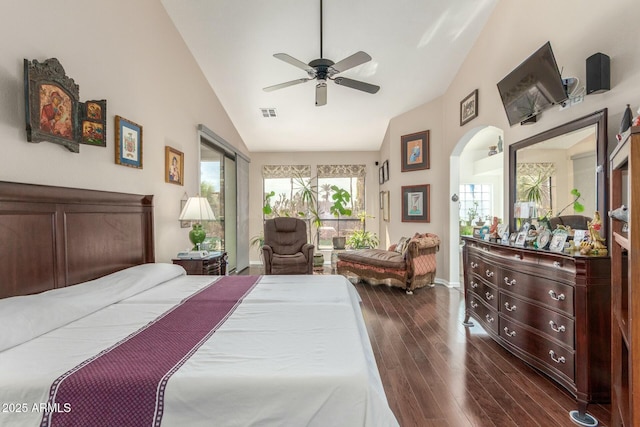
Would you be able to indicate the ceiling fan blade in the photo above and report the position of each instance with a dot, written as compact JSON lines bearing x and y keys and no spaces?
{"x":295,"y":62}
{"x":354,"y":60}
{"x":321,"y":93}
{"x":356,"y":84}
{"x":285,"y":84}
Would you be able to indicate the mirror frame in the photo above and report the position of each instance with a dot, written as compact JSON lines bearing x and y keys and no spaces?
{"x":598,"y":118}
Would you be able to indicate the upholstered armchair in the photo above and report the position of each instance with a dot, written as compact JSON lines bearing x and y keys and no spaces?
{"x":285,"y":249}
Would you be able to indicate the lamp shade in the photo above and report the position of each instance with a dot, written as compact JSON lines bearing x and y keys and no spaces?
{"x":197,"y":209}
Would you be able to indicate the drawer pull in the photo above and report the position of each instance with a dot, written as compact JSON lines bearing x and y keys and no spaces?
{"x":509,"y":307}
{"x":557,"y":264}
{"x":489,"y":273}
{"x":560,"y":359}
{"x":509,"y":333}
{"x":555,"y":296}
{"x":473,"y":304}
{"x":474,"y":264}
{"x":489,"y":296}
{"x":555,"y":327}
{"x":489,"y":319}
{"x":509,"y":282}
{"x":474,"y":284}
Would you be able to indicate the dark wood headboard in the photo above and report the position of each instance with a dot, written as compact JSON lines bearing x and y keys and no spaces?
{"x":51,"y":237}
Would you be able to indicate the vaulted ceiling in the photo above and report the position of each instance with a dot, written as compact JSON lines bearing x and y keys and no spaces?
{"x":416,"y":46}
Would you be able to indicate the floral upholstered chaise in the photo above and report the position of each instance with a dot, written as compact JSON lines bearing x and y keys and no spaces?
{"x":409,"y":264}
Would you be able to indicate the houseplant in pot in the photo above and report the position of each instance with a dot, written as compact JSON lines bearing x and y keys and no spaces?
{"x":341,"y":198}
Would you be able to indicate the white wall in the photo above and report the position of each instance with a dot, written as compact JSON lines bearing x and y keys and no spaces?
{"x":313,"y":159}
{"x":576,"y":29}
{"x":129,"y":53}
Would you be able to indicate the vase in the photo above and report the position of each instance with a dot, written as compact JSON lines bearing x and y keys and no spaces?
{"x":493,"y":150}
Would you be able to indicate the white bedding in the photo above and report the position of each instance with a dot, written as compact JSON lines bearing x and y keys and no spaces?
{"x":294,"y":353}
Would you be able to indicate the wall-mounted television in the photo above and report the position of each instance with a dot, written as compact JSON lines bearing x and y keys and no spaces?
{"x":534,"y":86}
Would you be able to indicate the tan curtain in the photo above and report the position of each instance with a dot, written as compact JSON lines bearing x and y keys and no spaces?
{"x":285,"y":171}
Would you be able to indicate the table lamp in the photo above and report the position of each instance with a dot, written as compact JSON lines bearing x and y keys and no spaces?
{"x":197,"y":209}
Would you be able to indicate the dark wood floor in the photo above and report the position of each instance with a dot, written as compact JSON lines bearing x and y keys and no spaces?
{"x":436,"y":372}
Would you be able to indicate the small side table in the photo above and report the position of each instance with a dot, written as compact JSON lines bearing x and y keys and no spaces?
{"x":213,"y":265}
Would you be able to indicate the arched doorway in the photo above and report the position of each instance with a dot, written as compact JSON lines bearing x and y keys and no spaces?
{"x":483,"y":176}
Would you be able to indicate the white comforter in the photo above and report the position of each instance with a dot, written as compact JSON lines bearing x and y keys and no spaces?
{"x":294,"y":353}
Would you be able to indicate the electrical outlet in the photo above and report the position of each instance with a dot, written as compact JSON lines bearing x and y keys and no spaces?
{"x":577,"y":99}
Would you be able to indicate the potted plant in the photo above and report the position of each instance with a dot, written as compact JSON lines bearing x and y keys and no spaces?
{"x":307,"y":191}
{"x":339,"y":208}
{"x":362,"y":239}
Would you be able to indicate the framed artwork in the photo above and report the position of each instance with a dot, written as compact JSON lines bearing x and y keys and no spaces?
{"x":51,"y":104}
{"x":415,"y":151}
{"x":94,"y":123}
{"x":385,"y":170}
{"x":381,"y":175}
{"x":128,"y":143}
{"x":385,"y":206}
{"x":521,"y":239}
{"x":469,"y":108}
{"x":557,"y":242}
{"x":512,"y":238}
{"x":183,"y":202}
{"x":415,"y":203}
{"x":173,"y":166}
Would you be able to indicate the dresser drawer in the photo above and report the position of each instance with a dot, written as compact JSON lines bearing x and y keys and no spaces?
{"x":484,"y":291}
{"x":555,"y":358}
{"x":547,"y":292}
{"x":551,"y":323}
{"x":487,"y":317}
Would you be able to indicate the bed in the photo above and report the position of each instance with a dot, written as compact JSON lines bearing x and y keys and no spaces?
{"x":117,"y":339}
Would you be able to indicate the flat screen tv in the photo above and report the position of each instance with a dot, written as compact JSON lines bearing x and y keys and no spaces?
{"x":534,"y":86}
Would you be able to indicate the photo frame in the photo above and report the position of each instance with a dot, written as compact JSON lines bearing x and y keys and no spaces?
{"x":128,"y":139}
{"x":415,"y":203}
{"x":173,"y":166}
{"x":51,"y":104}
{"x":385,"y":170}
{"x":385,"y":206}
{"x":414,"y":151}
{"x":512,"y":238}
{"x":469,"y":108}
{"x":93,"y":126}
{"x":557,"y":242}
{"x":521,"y":239}
{"x":381,"y":175}
{"x":183,"y":202}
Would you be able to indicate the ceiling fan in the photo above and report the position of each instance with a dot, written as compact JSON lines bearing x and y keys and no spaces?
{"x":325,"y":69}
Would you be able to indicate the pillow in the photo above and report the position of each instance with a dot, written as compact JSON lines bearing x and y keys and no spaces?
{"x":401,"y":247}
{"x":26,"y":317}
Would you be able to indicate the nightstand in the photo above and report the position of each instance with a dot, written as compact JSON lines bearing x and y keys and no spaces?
{"x":213,"y":265}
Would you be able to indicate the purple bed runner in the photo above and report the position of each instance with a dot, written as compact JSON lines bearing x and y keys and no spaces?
{"x":124,"y":385}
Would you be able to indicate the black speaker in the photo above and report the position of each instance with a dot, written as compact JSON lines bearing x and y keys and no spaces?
{"x":598,"y":73}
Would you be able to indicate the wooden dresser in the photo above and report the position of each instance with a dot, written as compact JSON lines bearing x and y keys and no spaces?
{"x":552,"y":310}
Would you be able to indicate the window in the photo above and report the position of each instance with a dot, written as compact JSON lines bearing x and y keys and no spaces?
{"x":475,"y":202}
{"x":535,"y":184}
{"x":351,"y":179}
{"x":283,"y":185}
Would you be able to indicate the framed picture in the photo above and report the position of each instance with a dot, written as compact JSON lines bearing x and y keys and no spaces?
{"x":469,"y":108}
{"x":557,"y":242}
{"x":512,"y":238}
{"x":381,"y":175}
{"x":173,"y":166}
{"x":521,"y":238}
{"x":51,"y":104}
{"x":94,"y":123}
{"x":385,"y":206}
{"x":385,"y":170}
{"x":415,"y":151}
{"x":128,"y":143}
{"x":415,"y":203}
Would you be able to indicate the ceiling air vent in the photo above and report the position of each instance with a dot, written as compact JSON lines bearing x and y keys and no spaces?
{"x":268,"y":112}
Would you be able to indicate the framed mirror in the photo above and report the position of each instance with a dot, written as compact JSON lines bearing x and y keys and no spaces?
{"x":548,"y":172}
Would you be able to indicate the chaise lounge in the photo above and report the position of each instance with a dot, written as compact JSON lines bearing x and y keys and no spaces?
{"x":409,"y":264}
